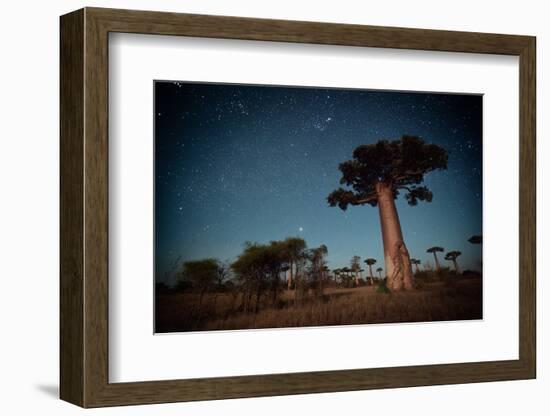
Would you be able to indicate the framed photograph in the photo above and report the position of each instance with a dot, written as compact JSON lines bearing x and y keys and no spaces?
{"x":261,"y":207}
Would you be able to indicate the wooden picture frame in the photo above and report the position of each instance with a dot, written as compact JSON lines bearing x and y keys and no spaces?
{"x":84,"y":207}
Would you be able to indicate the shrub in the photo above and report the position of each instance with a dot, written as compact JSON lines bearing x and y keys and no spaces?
{"x":382,"y":288}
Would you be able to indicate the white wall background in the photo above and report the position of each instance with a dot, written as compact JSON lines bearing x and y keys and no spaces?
{"x":29,"y":225}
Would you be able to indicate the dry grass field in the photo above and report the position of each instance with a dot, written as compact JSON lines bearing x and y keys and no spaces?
{"x":459,"y":298}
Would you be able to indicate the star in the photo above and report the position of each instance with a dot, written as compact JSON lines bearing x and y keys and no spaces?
{"x":281,"y":148}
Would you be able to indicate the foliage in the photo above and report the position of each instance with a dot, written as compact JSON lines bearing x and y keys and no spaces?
{"x":317,"y":268}
{"x":370,"y":262}
{"x":294,"y":249}
{"x":475,"y":239}
{"x":452,"y":255}
{"x":400,"y":164}
{"x":200,"y":274}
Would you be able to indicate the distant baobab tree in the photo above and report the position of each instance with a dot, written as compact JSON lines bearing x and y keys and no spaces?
{"x":416,"y":262}
{"x":286,"y":271}
{"x":376,"y":175}
{"x":379,"y":270}
{"x":355,"y":267}
{"x":346,"y":278}
{"x":435,"y":250}
{"x":475,"y":239}
{"x":370,"y":262}
{"x":451,"y":256}
{"x":336,"y":273}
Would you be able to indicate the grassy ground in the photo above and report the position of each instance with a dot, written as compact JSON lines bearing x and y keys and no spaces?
{"x":459,"y":299}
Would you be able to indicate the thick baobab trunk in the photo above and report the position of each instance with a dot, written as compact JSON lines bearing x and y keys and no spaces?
{"x":416,"y":267}
{"x":396,"y":256}
{"x":436,"y":261}
{"x":356,"y":278}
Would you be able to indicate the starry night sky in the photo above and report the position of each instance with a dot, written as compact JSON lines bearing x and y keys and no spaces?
{"x":236,"y":163}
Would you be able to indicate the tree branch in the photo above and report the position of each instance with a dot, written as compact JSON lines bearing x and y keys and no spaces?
{"x":370,"y":198}
{"x":404,"y":187}
{"x":408,"y":175}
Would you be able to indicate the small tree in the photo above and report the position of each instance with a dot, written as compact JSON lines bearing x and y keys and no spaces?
{"x":416,"y":263}
{"x":434,"y":250}
{"x":375,"y":176}
{"x":295,"y":249}
{"x":317,"y":267}
{"x":452,"y":256}
{"x":222,"y":274}
{"x":250,"y":267}
{"x":202,"y":274}
{"x":370,"y":262}
{"x":345,"y":274}
{"x":380,"y":270}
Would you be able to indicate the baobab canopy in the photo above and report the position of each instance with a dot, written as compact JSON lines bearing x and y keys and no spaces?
{"x":452,"y":255}
{"x":475,"y":239}
{"x":399,"y":163}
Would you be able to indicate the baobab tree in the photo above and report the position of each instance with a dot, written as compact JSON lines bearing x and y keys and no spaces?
{"x":370,"y":262}
{"x":346,"y":275}
{"x":286,"y":273}
{"x":336,"y":273}
{"x":379,"y":270}
{"x":434,"y":250}
{"x":355,"y":267}
{"x":475,"y":239}
{"x":451,"y":256}
{"x":375,"y":176}
{"x":416,"y":262}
